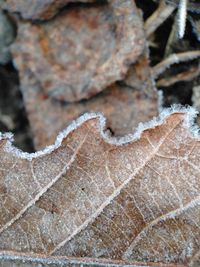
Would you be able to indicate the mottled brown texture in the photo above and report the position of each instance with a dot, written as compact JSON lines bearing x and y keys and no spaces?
{"x":92,"y":197}
{"x":124,"y":106}
{"x":82,"y":51}
{"x":34,"y":260}
{"x":38,"y":9}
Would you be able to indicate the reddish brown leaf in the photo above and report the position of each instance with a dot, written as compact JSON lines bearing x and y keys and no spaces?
{"x":90,"y":195}
{"x":81,"y":51}
{"x":37,"y":9}
{"x":124,"y":106}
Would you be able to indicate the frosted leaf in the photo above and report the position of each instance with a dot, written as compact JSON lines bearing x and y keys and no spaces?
{"x":135,"y":199}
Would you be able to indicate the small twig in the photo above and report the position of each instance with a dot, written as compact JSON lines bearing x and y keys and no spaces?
{"x":173,"y":59}
{"x":7,"y":121}
{"x":182,"y":16}
{"x":184,"y":76}
{"x":193,"y":7}
{"x":172,"y":39}
{"x":195,"y":26}
{"x":158,"y":17}
{"x":196,"y":97}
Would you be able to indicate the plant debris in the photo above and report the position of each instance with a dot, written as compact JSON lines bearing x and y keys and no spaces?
{"x":119,"y":189}
{"x":81,"y":52}
{"x":37,"y":9}
{"x":90,"y":195}
{"x":121,"y":103}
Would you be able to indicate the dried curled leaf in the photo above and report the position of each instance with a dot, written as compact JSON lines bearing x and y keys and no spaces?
{"x":89,"y":195}
{"x":38,"y":9}
{"x":83,"y":50}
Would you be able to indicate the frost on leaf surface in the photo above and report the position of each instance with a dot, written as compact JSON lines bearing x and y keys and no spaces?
{"x":134,"y":199}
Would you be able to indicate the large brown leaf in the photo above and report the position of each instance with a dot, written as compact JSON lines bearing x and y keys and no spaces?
{"x":90,"y":195}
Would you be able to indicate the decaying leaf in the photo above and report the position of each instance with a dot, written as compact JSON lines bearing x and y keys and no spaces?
{"x":124,"y":105}
{"x":90,"y":195}
{"x":83,"y":50}
{"x":38,"y":9}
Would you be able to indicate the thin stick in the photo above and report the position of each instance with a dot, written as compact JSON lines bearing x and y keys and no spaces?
{"x":184,"y":76}
{"x":182,"y":15}
{"x":158,"y":17}
{"x":193,"y":7}
{"x":173,"y":59}
{"x":172,"y":39}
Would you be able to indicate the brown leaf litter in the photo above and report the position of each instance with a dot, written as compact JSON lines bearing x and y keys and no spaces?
{"x":123,"y":105}
{"x":82,"y":51}
{"x":134,"y":199}
{"x":37,"y":9}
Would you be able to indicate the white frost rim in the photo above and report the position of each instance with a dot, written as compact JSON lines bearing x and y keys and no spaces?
{"x":190,"y":115}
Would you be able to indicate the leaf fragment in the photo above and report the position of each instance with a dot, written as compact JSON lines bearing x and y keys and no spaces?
{"x":82,"y":51}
